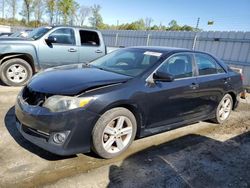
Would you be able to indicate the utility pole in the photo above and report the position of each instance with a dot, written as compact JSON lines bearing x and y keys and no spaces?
{"x":160,"y":26}
{"x":117,"y":24}
{"x":196,"y":33}
{"x":197,"y":24}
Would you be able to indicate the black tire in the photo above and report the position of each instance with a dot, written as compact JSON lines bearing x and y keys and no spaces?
{"x":218,"y":119}
{"x":23,"y":76}
{"x":98,"y":134}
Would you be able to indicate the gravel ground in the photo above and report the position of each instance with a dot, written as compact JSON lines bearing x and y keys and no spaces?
{"x":197,"y":155}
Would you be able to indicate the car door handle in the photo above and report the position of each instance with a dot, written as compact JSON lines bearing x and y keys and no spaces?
{"x":98,"y":51}
{"x":194,"y":86}
{"x":72,"y":50}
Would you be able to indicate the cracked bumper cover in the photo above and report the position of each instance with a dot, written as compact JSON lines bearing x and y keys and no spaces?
{"x":38,"y":124}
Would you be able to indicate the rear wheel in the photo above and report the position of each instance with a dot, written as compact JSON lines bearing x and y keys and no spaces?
{"x":15,"y":72}
{"x":114,"y":132}
{"x":224,"y":109}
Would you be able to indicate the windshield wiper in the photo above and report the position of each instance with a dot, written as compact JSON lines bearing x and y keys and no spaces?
{"x":90,"y":65}
{"x":86,"y":64}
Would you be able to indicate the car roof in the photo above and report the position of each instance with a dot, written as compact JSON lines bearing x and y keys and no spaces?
{"x":161,"y":49}
{"x":76,"y":27}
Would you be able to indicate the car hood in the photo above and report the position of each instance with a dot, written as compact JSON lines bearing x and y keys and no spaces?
{"x":72,"y":80}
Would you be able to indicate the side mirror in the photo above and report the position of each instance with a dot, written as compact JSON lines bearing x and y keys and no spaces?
{"x":163,"y":76}
{"x":51,"y":39}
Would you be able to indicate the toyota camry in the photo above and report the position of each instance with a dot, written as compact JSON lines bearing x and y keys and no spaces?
{"x":130,"y":93}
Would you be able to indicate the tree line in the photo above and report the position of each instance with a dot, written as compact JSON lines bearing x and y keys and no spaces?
{"x":36,"y":13}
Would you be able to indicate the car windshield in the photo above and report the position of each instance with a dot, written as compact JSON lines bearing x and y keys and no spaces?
{"x":23,"y":34}
{"x":39,"y":32}
{"x":16,"y":34}
{"x":131,"y":62}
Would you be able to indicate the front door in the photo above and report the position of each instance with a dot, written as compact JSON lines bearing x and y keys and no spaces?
{"x":63,"y":52}
{"x":173,"y":102}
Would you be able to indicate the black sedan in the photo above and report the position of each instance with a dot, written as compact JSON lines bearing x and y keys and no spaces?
{"x":132,"y":92}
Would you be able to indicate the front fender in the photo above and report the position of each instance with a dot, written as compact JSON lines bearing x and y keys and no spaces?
{"x":10,"y":50}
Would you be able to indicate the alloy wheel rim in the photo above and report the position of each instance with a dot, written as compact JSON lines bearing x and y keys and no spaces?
{"x":117,"y":134}
{"x":17,"y":73}
{"x":225,"y":108}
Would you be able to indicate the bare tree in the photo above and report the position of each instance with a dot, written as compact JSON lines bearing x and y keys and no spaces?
{"x":84,"y":12}
{"x":96,"y":19}
{"x":51,"y":9}
{"x":74,"y":13}
{"x":38,"y":7}
{"x":148,"y":21}
{"x":68,"y":9}
{"x":12,"y":4}
{"x":27,"y":9}
{"x":58,"y":13}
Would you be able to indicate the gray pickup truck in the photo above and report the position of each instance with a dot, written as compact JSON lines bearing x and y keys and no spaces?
{"x":46,"y":47}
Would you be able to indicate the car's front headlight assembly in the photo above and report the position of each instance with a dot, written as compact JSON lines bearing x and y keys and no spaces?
{"x":59,"y":103}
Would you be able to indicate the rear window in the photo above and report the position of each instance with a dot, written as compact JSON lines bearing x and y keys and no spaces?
{"x":89,"y":38}
{"x":207,"y":65}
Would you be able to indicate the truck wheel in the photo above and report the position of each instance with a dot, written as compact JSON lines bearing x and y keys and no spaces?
{"x":224,"y":109}
{"x":15,"y":72}
{"x":113,"y":132}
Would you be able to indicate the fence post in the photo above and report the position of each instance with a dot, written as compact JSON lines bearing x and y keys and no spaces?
{"x":148,"y":38}
{"x":116,"y":39}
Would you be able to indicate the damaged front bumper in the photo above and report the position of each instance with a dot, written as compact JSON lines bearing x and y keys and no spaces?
{"x":40,"y":126}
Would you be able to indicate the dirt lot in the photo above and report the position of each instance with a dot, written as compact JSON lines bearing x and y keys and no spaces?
{"x":198,"y":155}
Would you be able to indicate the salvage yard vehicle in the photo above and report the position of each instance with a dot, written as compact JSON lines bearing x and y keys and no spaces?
{"x":45,"y":47}
{"x":131,"y":92}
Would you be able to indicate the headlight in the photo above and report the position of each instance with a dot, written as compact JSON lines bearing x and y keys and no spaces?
{"x":59,"y":103}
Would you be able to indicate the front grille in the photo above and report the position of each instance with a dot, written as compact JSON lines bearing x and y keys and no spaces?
{"x":33,"y":97}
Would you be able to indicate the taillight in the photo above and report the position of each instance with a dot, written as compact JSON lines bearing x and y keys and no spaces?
{"x":241,"y":77}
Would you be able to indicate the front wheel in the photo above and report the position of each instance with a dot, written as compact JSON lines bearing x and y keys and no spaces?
{"x":224,"y":109}
{"x":114,"y":132}
{"x":15,"y":72}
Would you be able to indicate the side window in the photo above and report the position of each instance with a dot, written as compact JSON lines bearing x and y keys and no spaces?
{"x":149,"y":60}
{"x":64,"y":36}
{"x":89,"y":38}
{"x":207,"y":65}
{"x":179,"y":65}
{"x":220,"y":69}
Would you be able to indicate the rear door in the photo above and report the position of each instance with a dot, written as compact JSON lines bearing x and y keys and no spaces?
{"x":63,"y":52}
{"x":212,"y":80}
{"x":91,"y":45}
